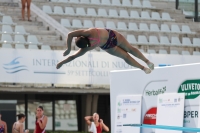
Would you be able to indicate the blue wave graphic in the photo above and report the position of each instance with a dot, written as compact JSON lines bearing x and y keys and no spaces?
{"x":13,"y":62}
{"x":14,"y":66}
{"x":18,"y":71}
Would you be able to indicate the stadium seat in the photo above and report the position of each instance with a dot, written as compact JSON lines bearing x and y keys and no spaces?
{"x":91,"y":12}
{"x":19,"y":29}
{"x":123,"y":14}
{"x":175,"y":28}
{"x":63,"y":1}
{"x":196,"y":42}
{"x":164,"y":40}
{"x":31,"y":46}
{"x":2,"y":14}
{"x":113,"y":13}
{"x":166,"y":16}
{"x":19,"y":46}
{"x":186,"y":41}
{"x":145,"y":15}
{"x":6,"y":45}
{"x":116,"y":3}
{"x":151,"y":51}
{"x":142,"y":40}
{"x":174,"y":52}
{"x":80,"y":11}
{"x":186,"y":29}
{"x":105,"y":2}
{"x":69,"y":11}
{"x":153,"y":40}
{"x":165,"y":28}
{"x":147,"y":4}
{"x":131,"y":39}
{"x":141,"y":50}
{"x":7,"y":20}
{"x":155,"y":15}
{"x":87,"y":24}
{"x":47,"y":9}
{"x":196,"y":53}
{"x":45,"y":47}
{"x":74,"y":1}
{"x":32,"y":39}
{"x":58,"y":10}
{"x":121,"y":26}
{"x":6,"y":38}
{"x":85,"y":1}
{"x":126,"y":3}
{"x":162,"y":51}
{"x":132,"y":26}
{"x":154,"y":28}
{"x":54,"y":0}
{"x":134,"y":14}
{"x":65,"y":22}
{"x":99,"y":24}
{"x":185,"y":53}
{"x":111,"y":25}
{"x":76,"y":23}
{"x":102,"y":12}
{"x":175,"y":41}
{"x":137,"y":3}
{"x":96,"y":2}
{"x":7,"y":29}
{"x":20,"y":39}
{"x":143,"y":27}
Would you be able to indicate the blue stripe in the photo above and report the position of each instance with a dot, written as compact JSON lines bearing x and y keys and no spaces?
{"x":14,"y":67}
{"x":165,"y":127}
{"x":17,"y":71}
{"x":37,"y":72}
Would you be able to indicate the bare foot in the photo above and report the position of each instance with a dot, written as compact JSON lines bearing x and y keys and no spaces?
{"x":150,"y":65}
{"x":147,"y":70}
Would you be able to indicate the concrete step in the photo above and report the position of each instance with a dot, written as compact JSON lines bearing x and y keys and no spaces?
{"x":41,"y":32}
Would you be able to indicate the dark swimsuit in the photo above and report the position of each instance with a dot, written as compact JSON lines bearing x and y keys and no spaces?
{"x":2,"y":128}
{"x":111,"y":42}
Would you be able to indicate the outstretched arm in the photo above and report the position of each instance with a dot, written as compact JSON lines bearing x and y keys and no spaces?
{"x":72,"y":34}
{"x":80,"y":52}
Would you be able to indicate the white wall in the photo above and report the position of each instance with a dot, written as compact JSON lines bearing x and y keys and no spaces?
{"x":137,"y":82}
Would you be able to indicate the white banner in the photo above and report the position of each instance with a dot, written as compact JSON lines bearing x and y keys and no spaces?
{"x":128,"y":111}
{"x":170,"y":109}
{"x":175,"y":79}
{"x":38,"y":66}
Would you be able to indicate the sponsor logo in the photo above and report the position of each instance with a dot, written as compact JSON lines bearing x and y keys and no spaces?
{"x":191,"y":114}
{"x":150,"y":116}
{"x":130,"y":102}
{"x":160,"y":100}
{"x":119,"y":110}
{"x":124,"y":115}
{"x":118,"y":117}
{"x":119,"y":104}
{"x":155,"y":92}
{"x":191,"y":88}
{"x":14,"y":66}
{"x":175,"y":100}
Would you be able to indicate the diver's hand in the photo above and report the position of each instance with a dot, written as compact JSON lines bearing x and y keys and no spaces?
{"x":59,"y":65}
{"x":66,"y":52}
